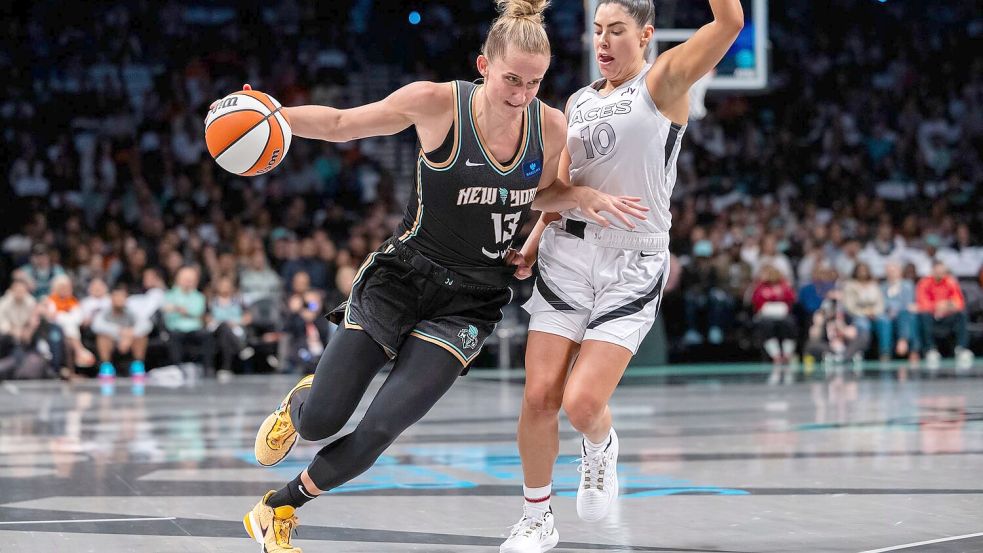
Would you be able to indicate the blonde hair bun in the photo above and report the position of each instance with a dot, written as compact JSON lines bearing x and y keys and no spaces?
{"x":523,"y":9}
{"x":519,"y":25}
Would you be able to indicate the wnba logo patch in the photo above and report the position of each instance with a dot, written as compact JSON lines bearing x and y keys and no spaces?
{"x":532,"y":168}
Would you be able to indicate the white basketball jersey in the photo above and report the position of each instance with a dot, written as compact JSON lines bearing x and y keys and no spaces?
{"x":622,"y":145}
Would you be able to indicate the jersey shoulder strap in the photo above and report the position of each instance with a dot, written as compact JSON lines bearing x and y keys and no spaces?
{"x":574,"y":98}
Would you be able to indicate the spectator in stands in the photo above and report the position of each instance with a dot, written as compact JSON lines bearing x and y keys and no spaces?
{"x":307,"y":330}
{"x":132,"y":274}
{"x":942,"y":307}
{"x":885,"y":247}
{"x":833,"y":336}
{"x":146,"y":304}
{"x":899,"y":319}
{"x":119,"y":330}
{"x":812,"y":295}
{"x":228,"y":322}
{"x":82,"y":270}
{"x":63,"y":309}
{"x":300,"y":284}
{"x":910,"y":272}
{"x":19,"y":317}
{"x":326,"y":249}
{"x":184,"y":318}
{"x":848,"y":257}
{"x":734,"y":275}
{"x":964,"y":259}
{"x":172,"y":261}
{"x":768,"y":255}
{"x":96,"y":300}
{"x":814,"y":257}
{"x":41,"y":271}
{"x":707,"y":305}
{"x":221,"y":263}
{"x":283,"y":249}
{"x":258,"y":282}
{"x":309,"y":263}
{"x":862,"y":300}
{"x":772,"y":300}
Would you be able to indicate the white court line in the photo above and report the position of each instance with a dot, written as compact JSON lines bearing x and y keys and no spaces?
{"x":929,"y":542}
{"x":87,"y":520}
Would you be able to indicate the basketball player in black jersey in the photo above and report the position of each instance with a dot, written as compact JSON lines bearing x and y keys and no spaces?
{"x":432,"y":294}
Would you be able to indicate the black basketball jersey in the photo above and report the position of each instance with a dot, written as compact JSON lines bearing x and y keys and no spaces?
{"x":466,"y":208}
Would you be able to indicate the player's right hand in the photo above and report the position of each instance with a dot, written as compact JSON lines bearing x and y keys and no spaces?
{"x":523,"y":265}
{"x":592,"y":202}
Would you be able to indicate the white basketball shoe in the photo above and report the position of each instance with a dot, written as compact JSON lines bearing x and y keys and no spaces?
{"x":534,"y":533}
{"x":598,"y":480}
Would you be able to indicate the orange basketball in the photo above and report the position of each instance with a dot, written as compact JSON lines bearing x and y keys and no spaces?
{"x":247,"y":133}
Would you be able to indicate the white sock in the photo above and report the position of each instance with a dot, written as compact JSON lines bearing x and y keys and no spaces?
{"x":537,"y":499}
{"x":591,"y":447}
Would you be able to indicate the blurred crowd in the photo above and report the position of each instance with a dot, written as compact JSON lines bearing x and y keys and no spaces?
{"x":835,"y":214}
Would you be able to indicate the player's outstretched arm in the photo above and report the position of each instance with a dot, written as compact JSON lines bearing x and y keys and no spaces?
{"x":686,"y":63}
{"x":414,"y":104}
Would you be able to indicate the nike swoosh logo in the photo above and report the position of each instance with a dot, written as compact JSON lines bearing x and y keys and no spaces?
{"x":469,"y":164}
{"x":582,"y":103}
{"x":643,"y":254}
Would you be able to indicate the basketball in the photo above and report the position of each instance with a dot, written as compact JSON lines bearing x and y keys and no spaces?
{"x":247,"y":133}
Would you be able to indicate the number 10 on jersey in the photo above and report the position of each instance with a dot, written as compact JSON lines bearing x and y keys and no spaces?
{"x":601,"y":140}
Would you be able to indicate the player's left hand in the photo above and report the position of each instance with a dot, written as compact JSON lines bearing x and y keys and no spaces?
{"x":523,"y":265}
{"x":592,"y":202}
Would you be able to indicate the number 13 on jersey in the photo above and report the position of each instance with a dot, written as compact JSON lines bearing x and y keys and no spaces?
{"x":505,"y":226}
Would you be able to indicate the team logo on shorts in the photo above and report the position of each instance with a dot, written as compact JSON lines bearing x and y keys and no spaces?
{"x":469,"y":337}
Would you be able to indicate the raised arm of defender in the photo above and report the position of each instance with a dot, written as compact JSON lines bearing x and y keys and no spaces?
{"x":677,"y":69}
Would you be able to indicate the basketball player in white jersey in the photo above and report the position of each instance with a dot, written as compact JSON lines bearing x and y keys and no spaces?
{"x":600,"y":286}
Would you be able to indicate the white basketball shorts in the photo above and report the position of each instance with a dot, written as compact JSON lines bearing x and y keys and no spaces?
{"x":590,"y":291}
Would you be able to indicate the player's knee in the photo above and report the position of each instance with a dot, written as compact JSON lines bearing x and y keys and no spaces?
{"x":541,"y":401}
{"x":583,"y":410}
{"x":376,"y":437}
{"x":314,"y":426}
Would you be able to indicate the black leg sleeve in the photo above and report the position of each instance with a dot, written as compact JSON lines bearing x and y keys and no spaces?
{"x":344,"y":372}
{"x":423,"y":372}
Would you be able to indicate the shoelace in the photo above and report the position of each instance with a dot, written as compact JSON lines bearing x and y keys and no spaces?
{"x":280,"y":432}
{"x":593,"y":464}
{"x":527,"y":525}
{"x":283,"y":528}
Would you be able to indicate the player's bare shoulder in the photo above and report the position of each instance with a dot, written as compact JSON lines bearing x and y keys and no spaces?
{"x":554,"y":130}
{"x":427,"y":98}
{"x":670,"y":97}
{"x":429,"y":106}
